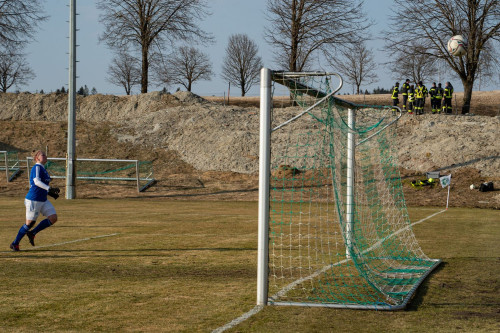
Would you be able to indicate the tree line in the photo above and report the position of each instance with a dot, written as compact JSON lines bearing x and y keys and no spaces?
{"x":158,"y":41}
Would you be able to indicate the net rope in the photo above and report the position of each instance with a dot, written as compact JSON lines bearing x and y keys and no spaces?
{"x":314,"y":255}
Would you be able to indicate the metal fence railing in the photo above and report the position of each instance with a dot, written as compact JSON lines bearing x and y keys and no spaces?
{"x":9,"y":162}
{"x":103,"y":170}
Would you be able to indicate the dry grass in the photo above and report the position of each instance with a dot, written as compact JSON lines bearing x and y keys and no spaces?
{"x":172,"y":267}
{"x":486,"y":103}
{"x":483,"y":102}
{"x":191,"y":267}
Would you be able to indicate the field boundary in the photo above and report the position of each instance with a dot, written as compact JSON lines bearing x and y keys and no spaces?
{"x":256,"y":309}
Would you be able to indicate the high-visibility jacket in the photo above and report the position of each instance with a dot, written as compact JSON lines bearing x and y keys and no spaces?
{"x":448,"y":92}
{"x":405,"y":88}
{"x":425,"y":91}
{"x":439,"y":93}
{"x":411,"y":96}
{"x":419,"y":92}
{"x":395,"y":92}
{"x":433,"y":92}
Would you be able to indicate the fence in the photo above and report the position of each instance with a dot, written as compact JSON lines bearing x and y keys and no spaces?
{"x":9,"y":162}
{"x":104,"y":170}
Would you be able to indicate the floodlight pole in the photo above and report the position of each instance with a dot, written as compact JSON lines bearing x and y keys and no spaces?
{"x":264,"y":169}
{"x":70,"y":157}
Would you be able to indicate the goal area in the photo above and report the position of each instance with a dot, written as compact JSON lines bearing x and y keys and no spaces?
{"x":334,"y":230}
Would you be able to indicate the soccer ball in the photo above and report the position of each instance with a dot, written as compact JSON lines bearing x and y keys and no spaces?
{"x":457,"y":46}
{"x":472,"y":187}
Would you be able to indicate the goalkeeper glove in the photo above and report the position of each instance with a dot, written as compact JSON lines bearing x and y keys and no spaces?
{"x":54,"y":192}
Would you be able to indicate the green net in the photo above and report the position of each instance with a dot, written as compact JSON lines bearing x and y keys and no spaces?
{"x":328,"y":244}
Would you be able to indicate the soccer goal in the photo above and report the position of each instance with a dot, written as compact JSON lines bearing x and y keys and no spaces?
{"x":9,"y":162}
{"x":334,"y":230}
{"x":115,"y":170}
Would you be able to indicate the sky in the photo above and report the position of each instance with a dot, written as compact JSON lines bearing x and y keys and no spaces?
{"x":48,"y":54}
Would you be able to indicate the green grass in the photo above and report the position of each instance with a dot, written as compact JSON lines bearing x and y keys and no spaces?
{"x":191,"y":267}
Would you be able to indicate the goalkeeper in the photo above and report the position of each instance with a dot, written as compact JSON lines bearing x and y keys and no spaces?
{"x":36,"y":201}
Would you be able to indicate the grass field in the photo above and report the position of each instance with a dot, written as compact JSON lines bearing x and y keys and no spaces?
{"x":160,"y":266}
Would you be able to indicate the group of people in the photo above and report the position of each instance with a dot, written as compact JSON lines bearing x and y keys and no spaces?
{"x":414,"y":97}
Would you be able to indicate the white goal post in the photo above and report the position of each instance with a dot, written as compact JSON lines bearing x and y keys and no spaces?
{"x":333,"y":228}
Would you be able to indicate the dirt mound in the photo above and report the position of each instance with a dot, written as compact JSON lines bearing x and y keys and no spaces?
{"x":439,"y":142}
{"x":205,"y":147}
{"x":54,"y":106}
{"x":188,"y":97}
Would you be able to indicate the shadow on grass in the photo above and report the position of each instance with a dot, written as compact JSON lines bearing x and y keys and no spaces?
{"x":421,"y":292}
{"x":149,"y":252}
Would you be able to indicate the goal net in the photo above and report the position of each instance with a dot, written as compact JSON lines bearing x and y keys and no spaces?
{"x":333,"y":225}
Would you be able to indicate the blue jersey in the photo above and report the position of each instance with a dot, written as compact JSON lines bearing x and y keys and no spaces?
{"x":38,"y":174}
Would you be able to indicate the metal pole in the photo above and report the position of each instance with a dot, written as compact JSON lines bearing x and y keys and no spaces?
{"x":448,"y":197}
{"x":70,"y":157}
{"x":28,"y":169}
{"x":264,"y":169}
{"x":350,"y":181}
{"x":137,"y":175}
{"x":7,"y":167}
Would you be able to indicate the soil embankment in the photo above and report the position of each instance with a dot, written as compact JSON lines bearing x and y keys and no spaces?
{"x":203,"y":149}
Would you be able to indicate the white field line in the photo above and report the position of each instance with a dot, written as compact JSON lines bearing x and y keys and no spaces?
{"x":377,"y":244}
{"x":74,"y":241}
{"x":239,"y":320}
{"x":289,"y":287}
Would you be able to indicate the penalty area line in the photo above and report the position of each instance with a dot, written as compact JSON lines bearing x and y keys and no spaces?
{"x":73,"y":241}
{"x":257,"y":308}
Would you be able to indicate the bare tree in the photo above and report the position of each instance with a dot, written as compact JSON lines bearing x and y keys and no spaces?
{"x":412,"y":65}
{"x":144,"y":24}
{"x":124,"y":71}
{"x":489,"y":65}
{"x":301,"y":28}
{"x":186,"y":66}
{"x":19,"y":20}
{"x":477,"y":20}
{"x":357,"y":64}
{"x":14,"y":69}
{"x":241,"y":64}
